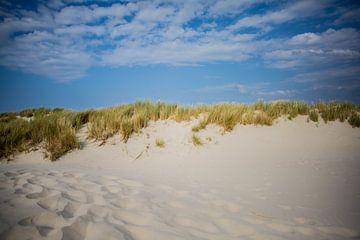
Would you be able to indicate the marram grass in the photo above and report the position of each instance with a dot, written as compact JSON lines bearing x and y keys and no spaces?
{"x":196,"y":140}
{"x":160,"y":143}
{"x":55,"y":129}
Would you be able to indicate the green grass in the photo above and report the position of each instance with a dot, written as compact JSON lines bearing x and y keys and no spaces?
{"x":314,"y":115}
{"x":196,"y":140}
{"x":160,"y":143}
{"x":354,"y":119}
{"x":7,"y":116}
{"x":55,"y":129}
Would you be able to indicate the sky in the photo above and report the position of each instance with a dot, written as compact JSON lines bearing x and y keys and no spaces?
{"x":81,"y":54}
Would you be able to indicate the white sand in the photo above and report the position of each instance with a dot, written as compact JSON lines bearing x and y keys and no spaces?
{"x":293,"y":180}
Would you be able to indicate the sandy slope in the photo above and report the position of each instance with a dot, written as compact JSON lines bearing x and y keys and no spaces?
{"x":293,"y":180}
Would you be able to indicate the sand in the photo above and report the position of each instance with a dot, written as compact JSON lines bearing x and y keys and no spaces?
{"x":293,"y":180}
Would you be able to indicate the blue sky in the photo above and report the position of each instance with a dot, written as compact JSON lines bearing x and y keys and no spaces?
{"x":84,"y":54}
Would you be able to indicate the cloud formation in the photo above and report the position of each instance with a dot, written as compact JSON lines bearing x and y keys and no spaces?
{"x":62,"y":39}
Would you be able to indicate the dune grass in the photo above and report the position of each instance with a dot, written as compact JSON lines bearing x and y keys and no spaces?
{"x":314,"y":115}
{"x":7,"y":117}
{"x":196,"y":140}
{"x":160,"y":143}
{"x":55,"y":129}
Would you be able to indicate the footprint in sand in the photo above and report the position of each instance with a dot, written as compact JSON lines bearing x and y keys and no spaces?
{"x":75,"y":195}
{"x":98,"y":211}
{"x":19,"y":181}
{"x":44,"y":193}
{"x":146,"y":233}
{"x":70,"y":209}
{"x":44,"y":222}
{"x":140,"y":219}
{"x":46,"y":181}
{"x":131,"y":203}
{"x":234,"y":227}
{"x":97,"y":199}
{"x":4,"y":185}
{"x":10,"y":174}
{"x":82,"y":228}
{"x":31,"y":188}
{"x":18,"y":232}
{"x":53,"y":203}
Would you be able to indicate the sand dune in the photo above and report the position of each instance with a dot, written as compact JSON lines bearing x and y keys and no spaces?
{"x":294,"y":180}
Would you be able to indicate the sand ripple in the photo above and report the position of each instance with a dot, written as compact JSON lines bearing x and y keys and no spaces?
{"x":69,"y":205}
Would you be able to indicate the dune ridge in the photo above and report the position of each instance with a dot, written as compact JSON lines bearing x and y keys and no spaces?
{"x":293,"y":180}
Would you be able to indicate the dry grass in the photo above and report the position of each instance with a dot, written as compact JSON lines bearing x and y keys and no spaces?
{"x":55,"y":129}
{"x":196,"y":140}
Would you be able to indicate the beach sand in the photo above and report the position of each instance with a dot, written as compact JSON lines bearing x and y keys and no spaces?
{"x":292,"y":180}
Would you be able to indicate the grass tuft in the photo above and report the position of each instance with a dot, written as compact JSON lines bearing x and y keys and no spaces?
{"x":314,"y":115}
{"x":160,"y":143}
{"x":200,"y":126}
{"x":354,"y":119}
{"x":196,"y":140}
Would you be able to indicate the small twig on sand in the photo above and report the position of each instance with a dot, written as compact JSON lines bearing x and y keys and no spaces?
{"x":138,"y":156}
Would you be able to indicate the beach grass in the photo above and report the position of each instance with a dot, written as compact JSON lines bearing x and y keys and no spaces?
{"x":196,"y":140}
{"x":55,"y":129}
{"x":160,"y":143}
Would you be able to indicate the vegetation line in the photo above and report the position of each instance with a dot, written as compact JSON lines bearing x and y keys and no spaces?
{"x":55,"y":129}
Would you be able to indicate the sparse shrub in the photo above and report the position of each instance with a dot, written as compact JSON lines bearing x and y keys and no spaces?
{"x":196,"y":140}
{"x":160,"y":143}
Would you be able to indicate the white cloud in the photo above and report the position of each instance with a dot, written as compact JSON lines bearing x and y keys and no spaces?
{"x":339,"y":74}
{"x":172,"y":32}
{"x":308,"y":49}
{"x":276,"y":93}
{"x":75,"y":15}
{"x":224,"y":88}
{"x":80,"y":29}
{"x":294,"y":10}
{"x":44,"y":54}
{"x":175,"y":53}
{"x":231,"y":6}
{"x":305,"y":38}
